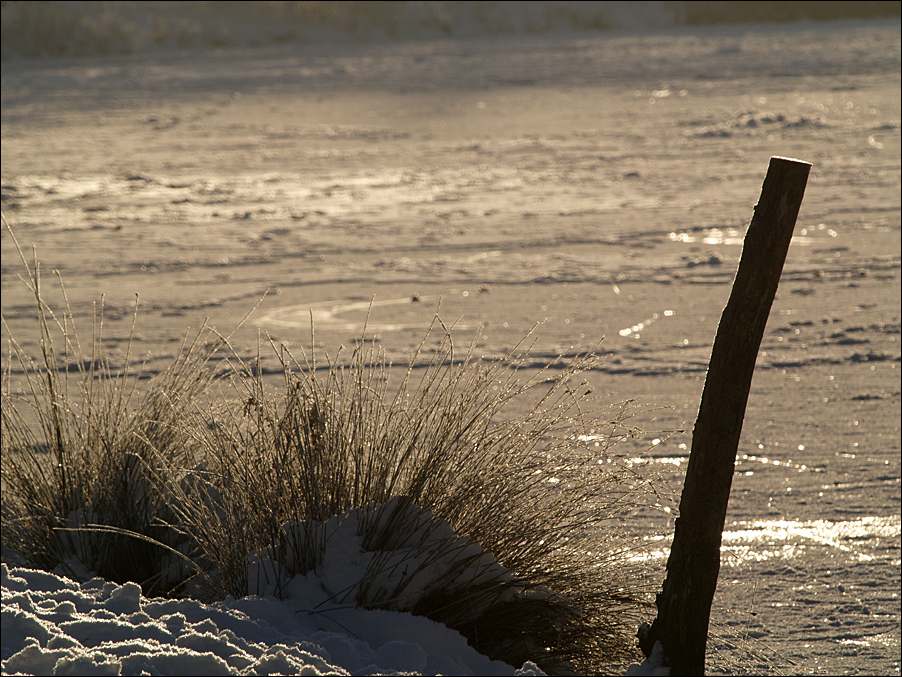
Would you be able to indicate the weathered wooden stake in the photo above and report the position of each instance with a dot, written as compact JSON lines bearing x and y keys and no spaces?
{"x":684,"y":604}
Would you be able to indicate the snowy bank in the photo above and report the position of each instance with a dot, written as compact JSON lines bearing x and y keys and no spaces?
{"x":52,"y":625}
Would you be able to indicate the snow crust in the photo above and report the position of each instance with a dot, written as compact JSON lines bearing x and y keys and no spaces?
{"x":54,"y":626}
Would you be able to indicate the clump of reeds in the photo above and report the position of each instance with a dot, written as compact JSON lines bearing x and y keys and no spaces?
{"x":500,"y":524}
{"x":431,"y":446}
{"x":85,"y":453}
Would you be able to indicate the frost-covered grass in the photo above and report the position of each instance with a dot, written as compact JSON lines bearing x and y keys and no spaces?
{"x":207,"y":482}
{"x":85,"y":445}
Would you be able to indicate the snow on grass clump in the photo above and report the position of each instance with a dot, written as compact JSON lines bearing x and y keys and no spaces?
{"x":394,"y":555}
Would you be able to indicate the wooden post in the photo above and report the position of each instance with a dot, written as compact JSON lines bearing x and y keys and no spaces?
{"x":684,"y":604}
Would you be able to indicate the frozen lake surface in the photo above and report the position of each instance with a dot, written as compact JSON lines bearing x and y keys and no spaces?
{"x":599,"y":184}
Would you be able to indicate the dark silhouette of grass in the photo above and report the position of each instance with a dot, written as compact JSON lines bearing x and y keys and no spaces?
{"x":84,"y":452}
{"x":519,"y":486}
{"x":511,"y":527}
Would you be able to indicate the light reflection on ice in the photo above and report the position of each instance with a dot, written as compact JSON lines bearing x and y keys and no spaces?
{"x":679,"y":460}
{"x":787,"y":538}
{"x":711,"y":236}
{"x":735,"y":236}
{"x":638,"y":327}
{"x":773,"y":461}
{"x":763,"y":540}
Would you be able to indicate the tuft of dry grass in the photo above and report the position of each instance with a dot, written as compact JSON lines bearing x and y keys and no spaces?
{"x":84,"y":452}
{"x":433,"y":445}
{"x":477,"y":504}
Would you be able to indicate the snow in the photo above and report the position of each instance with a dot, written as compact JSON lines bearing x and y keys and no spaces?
{"x":54,"y":625}
{"x":653,"y":666}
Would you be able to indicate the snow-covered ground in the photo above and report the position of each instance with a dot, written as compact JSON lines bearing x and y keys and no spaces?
{"x":54,"y":626}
